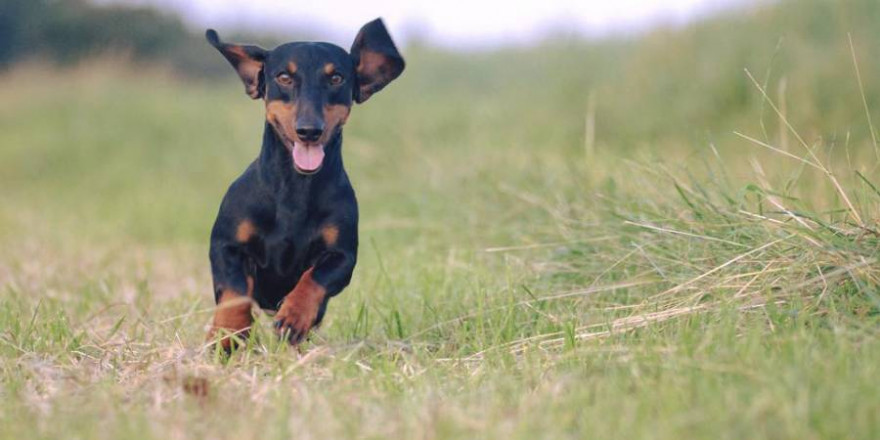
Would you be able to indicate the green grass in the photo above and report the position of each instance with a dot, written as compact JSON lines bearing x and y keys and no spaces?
{"x":514,"y":281}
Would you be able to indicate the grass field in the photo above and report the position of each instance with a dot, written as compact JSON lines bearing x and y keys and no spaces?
{"x":564,"y":242}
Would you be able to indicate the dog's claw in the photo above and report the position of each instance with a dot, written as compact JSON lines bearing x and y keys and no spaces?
{"x":292,"y":327}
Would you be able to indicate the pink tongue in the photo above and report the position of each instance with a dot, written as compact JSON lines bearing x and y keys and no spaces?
{"x":308,"y":158}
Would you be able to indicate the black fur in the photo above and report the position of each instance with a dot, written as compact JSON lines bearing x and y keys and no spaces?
{"x":286,"y":208}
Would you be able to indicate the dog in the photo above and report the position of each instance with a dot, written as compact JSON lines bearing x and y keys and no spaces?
{"x":286,"y":235}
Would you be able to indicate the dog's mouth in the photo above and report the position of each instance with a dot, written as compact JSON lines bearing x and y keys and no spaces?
{"x":307,"y":158}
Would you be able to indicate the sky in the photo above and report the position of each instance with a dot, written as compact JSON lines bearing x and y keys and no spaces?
{"x":450,"y":23}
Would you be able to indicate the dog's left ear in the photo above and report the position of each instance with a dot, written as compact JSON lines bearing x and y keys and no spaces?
{"x":377,"y":60}
{"x":247,"y":61}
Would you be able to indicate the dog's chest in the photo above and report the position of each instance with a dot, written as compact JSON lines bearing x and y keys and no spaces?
{"x":288,"y":247}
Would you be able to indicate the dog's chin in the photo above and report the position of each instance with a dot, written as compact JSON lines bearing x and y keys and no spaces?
{"x":307,"y":158}
{"x":304,"y":172}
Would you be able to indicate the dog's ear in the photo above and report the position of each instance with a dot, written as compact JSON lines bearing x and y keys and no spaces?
{"x":376,"y":59}
{"x":247,"y":61}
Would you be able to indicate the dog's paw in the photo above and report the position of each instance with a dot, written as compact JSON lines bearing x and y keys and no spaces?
{"x":299,"y":311}
{"x":232,"y":322}
{"x":295,"y":319}
{"x":229,"y":339}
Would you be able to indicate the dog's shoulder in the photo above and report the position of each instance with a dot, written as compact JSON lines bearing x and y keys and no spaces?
{"x":246,"y":206}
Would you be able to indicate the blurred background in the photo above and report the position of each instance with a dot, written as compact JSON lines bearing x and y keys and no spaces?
{"x":125,"y":98}
{"x":627,"y":55}
{"x":71,"y":29}
{"x":104,"y":96}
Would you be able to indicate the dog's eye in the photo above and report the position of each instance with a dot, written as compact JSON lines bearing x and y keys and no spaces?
{"x":284,"y":79}
{"x":336,"y":79}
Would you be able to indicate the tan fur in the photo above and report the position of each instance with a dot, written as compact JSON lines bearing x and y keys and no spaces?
{"x":248,"y":69}
{"x":335,"y":115}
{"x":245,"y":231}
{"x":371,"y":62}
{"x":300,"y":307}
{"x":330,"y":234}
{"x":282,"y":116}
{"x":233,"y":314}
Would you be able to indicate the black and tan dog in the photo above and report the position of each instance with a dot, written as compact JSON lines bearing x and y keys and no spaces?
{"x":286,"y":235}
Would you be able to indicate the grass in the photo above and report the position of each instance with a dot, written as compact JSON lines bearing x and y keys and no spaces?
{"x":513,"y":282}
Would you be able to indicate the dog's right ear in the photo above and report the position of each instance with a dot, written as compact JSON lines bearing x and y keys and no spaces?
{"x":247,"y":61}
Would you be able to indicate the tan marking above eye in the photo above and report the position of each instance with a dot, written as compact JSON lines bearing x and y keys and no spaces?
{"x":291,"y":67}
{"x":329,"y":68}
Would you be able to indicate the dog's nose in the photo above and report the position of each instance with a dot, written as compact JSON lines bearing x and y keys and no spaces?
{"x":309,"y":134}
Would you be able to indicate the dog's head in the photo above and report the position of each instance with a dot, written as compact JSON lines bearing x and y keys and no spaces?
{"x":309,"y":87}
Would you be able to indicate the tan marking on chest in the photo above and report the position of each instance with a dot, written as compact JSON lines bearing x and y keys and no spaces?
{"x":330,"y":234}
{"x":245,"y":231}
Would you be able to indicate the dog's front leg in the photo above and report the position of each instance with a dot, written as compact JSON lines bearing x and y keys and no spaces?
{"x":304,"y":307}
{"x":233,"y":293}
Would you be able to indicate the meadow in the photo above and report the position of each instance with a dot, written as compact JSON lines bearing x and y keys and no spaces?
{"x":662,"y":237}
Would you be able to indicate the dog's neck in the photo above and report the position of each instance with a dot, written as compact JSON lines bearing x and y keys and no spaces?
{"x":278,"y":174}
